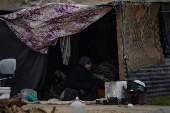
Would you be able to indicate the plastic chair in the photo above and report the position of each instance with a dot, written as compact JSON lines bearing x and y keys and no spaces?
{"x":7,"y":69}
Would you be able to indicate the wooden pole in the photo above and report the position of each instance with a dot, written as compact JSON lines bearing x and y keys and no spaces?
{"x":120,"y":46}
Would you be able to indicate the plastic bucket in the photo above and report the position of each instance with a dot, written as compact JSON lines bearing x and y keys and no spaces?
{"x":5,"y":92}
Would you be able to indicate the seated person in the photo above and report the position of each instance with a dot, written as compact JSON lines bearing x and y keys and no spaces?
{"x":80,"y":82}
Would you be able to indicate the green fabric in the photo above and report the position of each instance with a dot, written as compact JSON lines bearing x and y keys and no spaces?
{"x":140,"y":36}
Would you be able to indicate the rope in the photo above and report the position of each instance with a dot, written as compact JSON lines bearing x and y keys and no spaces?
{"x":122,"y":35}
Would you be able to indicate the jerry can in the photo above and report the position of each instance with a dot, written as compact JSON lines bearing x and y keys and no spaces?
{"x":77,"y":106}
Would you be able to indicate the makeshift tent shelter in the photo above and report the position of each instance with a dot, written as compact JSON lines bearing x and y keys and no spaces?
{"x":39,"y":27}
{"x":35,"y":27}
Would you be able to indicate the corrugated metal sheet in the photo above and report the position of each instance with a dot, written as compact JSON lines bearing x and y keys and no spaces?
{"x":156,"y":78}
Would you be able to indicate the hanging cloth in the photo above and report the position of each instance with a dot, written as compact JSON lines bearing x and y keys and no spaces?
{"x":65,"y":49}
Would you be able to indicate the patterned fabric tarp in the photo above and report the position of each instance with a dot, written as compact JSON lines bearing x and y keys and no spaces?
{"x":139,"y":30}
{"x":40,"y":26}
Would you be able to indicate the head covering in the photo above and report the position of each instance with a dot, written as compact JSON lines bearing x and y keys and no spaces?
{"x":85,"y":60}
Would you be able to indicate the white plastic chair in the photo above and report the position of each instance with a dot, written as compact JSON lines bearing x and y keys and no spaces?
{"x":7,"y":67}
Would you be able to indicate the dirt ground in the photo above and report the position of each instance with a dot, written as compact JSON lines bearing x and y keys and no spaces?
{"x":98,"y":108}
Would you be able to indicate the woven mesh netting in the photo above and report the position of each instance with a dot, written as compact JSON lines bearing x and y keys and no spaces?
{"x":138,"y":27}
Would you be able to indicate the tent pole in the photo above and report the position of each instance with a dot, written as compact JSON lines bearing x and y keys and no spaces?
{"x":120,"y":46}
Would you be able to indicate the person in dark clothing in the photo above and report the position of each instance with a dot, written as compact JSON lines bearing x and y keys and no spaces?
{"x":80,"y":82}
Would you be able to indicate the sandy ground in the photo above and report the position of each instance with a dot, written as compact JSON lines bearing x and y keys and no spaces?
{"x":98,"y":108}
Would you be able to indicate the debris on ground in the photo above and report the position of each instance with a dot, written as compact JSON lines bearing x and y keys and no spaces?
{"x":14,"y":105}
